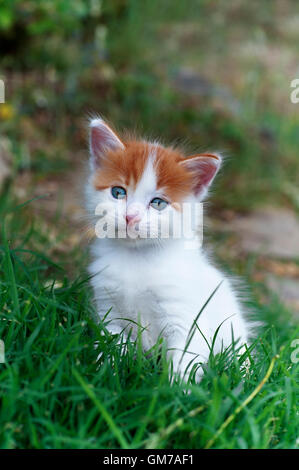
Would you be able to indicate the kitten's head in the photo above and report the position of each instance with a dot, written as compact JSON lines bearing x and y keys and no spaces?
{"x":139,"y":189}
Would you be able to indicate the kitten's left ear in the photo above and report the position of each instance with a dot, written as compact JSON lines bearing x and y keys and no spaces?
{"x":102,"y":141}
{"x":204,"y":168}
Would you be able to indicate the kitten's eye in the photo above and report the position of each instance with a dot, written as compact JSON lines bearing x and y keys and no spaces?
{"x":118,"y":192}
{"x":158,"y":203}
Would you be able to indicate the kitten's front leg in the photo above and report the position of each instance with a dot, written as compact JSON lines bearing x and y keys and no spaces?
{"x":184,"y":356}
{"x":183,"y":363}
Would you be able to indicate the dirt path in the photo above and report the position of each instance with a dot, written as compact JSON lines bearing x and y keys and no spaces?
{"x":271,"y":235}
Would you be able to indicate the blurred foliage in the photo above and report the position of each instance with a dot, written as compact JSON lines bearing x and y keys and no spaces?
{"x":40,"y":27}
{"x":64,"y":60}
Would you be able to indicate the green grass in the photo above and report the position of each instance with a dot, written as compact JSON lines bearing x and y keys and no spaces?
{"x":55,"y":395}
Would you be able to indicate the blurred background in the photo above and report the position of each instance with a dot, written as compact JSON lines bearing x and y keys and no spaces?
{"x":208,"y":74}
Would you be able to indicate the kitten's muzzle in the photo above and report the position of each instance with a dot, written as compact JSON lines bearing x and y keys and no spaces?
{"x":133,"y":218}
{"x":134,"y":213}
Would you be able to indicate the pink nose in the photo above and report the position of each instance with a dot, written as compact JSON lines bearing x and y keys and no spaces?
{"x":132,"y":218}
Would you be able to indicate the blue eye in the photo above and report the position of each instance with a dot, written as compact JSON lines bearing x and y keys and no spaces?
{"x":158,"y":204}
{"x":118,"y":192}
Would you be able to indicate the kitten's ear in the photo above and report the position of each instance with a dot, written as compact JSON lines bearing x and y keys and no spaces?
{"x":102,"y":140}
{"x":204,"y":168}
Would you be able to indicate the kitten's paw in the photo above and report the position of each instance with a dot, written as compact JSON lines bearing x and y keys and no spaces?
{"x":246,"y":368}
{"x":100,"y":354}
{"x":186,"y":370}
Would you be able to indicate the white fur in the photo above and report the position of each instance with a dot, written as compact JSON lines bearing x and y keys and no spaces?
{"x":162,"y":286}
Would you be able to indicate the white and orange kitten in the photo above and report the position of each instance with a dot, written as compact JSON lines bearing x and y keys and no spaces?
{"x":157,"y":282}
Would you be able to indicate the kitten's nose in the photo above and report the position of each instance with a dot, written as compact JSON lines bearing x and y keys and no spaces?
{"x":133,"y":218}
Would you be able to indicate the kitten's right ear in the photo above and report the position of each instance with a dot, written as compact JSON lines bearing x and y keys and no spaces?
{"x":102,"y":140}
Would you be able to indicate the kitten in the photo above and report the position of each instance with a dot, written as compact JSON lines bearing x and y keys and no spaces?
{"x":160,"y":282}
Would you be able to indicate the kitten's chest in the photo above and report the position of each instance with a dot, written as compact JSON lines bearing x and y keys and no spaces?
{"x":149,"y":288}
{"x":134,"y":291}
{"x":135,"y":296}
{"x":138,"y":284}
